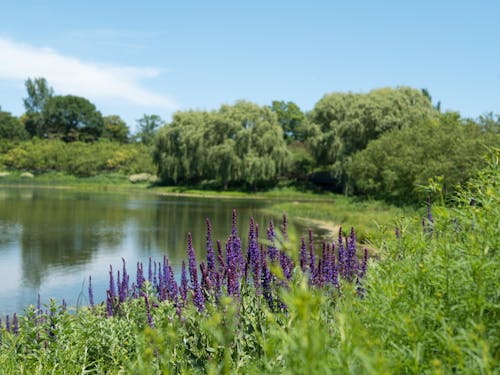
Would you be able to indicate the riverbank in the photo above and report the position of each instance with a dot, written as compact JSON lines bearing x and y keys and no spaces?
{"x":324,"y":209}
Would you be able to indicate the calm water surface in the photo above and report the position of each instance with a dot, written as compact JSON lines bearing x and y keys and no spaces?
{"x":52,"y":240}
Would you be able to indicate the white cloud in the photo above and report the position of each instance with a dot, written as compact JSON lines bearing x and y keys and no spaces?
{"x":73,"y":76}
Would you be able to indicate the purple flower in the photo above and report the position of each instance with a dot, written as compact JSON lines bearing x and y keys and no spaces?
{"x":303,"y":254}
{"x":271,"y":247}
{"x":140,"y":277}
{"x":124,"y":284}
{"x":210,"y":253}
{"x":233,"y":285}
{"x":254,"y":255}
{"x":312,"y":257}
{"x":7,"y":323}
{"x":198,"y":298}
{"x":148,"y":311}
{"x":184,"y":287}
{"x":112,"y":288}
{"x":266,"y":283}
{"x":193,"y":272}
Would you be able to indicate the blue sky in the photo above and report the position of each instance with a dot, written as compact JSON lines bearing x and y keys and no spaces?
{"x":131,"y":57}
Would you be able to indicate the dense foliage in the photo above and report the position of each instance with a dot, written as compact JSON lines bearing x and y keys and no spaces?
{"x":428,"y":304}
{"x":76,"y":158}
{"x":347,"y":122}
{"x":240,"y":144}
{"x":392,"y":166}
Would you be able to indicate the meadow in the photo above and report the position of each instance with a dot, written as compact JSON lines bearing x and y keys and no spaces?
{"x":427,"y":303}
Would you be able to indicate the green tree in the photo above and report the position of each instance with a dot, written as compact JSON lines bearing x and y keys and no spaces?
{"x":345,"y":123}
{"x":115,"y":129}
{"x":392,"y":166}
{"x":148,"y":126}
{"x":291,"y":119}
{"x":240,"y":144}
{"x":72,"y":118}
{"x":10,"y":127}
{"x":39,"y":92}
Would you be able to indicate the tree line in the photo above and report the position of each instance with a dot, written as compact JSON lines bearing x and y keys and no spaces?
{"x":383,"y":144}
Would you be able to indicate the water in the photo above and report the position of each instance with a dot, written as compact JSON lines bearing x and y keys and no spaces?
{"x":51,"y":241}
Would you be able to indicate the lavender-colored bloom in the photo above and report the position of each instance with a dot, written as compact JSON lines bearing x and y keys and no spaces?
{"x":233,"y":286}
{"x":206,"y":283}
{"x":303,"y":254}
{"x":351,"y":261}
{"x":312,"y":257}
{"x":341,"y":254}
{"x":271,"y":247}
{"x":220,"y":258}
{"x":266,"y":283}
{"x":254,"y":255}
{"x":286,"y":264}
{"x":155,"y":280}
{"x":123,"y":289}
{"x":234,"y":229}
{"x":184,"y":283}
{"x":140,"y":277}
{"x":210,"y":253}
{"x":198,"y":298}
{"x":112,"y":287}
{"x":91,"y":293}
{"x":148,"y":311}
{"x":218,"y":286}
{"x":7,"y":323}
{"x":193,"y":269}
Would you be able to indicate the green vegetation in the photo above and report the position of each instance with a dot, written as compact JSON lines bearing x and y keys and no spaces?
{"x":445,"y":147}
{"x":384,"y":144}
{"x":240,"y":145}
{"x":428,"y":304}
{"x":77,"y":158}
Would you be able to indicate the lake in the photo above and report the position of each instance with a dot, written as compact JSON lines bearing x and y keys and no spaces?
{"x":52,"y":240}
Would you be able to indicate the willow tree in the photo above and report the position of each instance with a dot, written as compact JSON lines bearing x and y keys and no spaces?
{"x":346,"y":122}
{"x":240,"y":144}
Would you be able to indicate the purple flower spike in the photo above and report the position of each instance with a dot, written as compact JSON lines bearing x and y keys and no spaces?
{"x":271,"y":247}
{"x":184,"y":283}
{"x":303,"y":254}
{"x":124,"y":284}
{"x":193,"y":268}
{"x":91,"y":293}
{"x":140,"y":278}
{"x":7,"y":323}
{"x":210,"y":253}
{"x":312,"y":257}
{"x":112,"y":287}
{"x":148,"y":311}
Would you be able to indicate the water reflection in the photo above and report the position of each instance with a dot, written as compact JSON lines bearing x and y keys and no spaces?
{"x":51,"y":240}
